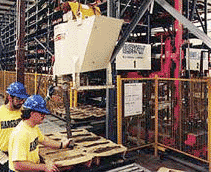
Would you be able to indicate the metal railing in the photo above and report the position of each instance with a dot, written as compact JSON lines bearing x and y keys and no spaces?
{"x":33,"y":81}
{"x":173,"y":114}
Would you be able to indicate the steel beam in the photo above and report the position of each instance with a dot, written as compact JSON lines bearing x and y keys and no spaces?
{"x":117,"y":8}
{"x":205,"y":15}
{"x":192,"y":9}
{"x":139,"y":14}
{"x":110,"y":8}
{"x":190,"y":26}
{"x":20,"y":51}
{"x":67,"y":109}
{"x":113,"y":8}
{"x":200,"y":20}
{"x":123,"y":10}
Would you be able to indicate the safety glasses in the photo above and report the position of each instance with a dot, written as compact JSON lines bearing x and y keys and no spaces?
{"x":20,"y":99}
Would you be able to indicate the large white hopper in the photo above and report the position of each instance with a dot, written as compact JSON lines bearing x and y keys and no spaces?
{"x":88,"y":44}
{"x":62,"y":63}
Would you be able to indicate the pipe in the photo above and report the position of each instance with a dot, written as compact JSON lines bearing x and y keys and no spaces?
{"x":67,"y":110}
{"x":161,"y":55}
{"x":119,"y":110}
{"x":180,"y":61}
{"x":196,"y":167}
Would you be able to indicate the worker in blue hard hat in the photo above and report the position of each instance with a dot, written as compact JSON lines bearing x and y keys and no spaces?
{"x":10,"y":116}
{"x":24,"y":140}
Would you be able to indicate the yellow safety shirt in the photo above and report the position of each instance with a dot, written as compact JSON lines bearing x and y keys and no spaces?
{"x":23,"y":144}
{"x":8,"y":120}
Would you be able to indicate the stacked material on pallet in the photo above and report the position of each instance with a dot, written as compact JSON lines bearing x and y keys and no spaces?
{"x":87,"y":146}
{"x":82,"y":112}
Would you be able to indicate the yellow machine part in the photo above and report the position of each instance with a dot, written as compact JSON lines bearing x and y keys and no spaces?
{"x":86,"y":10}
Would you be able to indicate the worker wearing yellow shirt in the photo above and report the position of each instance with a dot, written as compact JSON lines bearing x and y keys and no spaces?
{"x":10,"y":116}
{"x":24,"y":140}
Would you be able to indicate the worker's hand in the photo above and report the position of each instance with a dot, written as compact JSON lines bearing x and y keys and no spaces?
{"x":67,"y":143}
{"x":50,"y":167}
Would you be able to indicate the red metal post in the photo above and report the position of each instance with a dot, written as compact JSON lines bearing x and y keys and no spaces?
{"x":176,"y":57}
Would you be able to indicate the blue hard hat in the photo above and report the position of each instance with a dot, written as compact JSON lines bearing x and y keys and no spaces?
{"x":17,"y":89}
{"x":36,"y":103}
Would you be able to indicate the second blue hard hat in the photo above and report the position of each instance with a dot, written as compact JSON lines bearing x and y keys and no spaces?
{"x":36,"y":103}
{"x":17,"y":89}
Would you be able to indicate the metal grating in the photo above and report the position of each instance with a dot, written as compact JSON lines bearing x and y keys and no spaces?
{"x":131,"y":167}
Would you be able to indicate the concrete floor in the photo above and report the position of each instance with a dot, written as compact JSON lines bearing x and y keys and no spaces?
{"x":52,"y":124}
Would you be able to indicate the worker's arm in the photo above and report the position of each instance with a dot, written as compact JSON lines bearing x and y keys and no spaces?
{"x":55,"y":144}
{"x":30,"y":166}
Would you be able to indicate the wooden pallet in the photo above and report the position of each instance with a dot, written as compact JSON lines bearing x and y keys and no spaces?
{"x":87,"y":147}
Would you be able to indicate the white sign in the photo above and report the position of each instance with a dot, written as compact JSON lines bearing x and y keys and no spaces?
{"x":195,"y":56}
{"x":134,"y":56}
{"x":133,"y":99}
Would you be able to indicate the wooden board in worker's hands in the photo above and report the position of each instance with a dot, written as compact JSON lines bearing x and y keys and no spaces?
{"x":67,"y":158}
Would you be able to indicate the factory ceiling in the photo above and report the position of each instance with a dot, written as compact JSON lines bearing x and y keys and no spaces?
{"x":160,"y":16}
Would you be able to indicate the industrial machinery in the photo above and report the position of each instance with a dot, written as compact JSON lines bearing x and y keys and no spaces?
{"x":178,"y":58}
{"x":138,"y":39}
